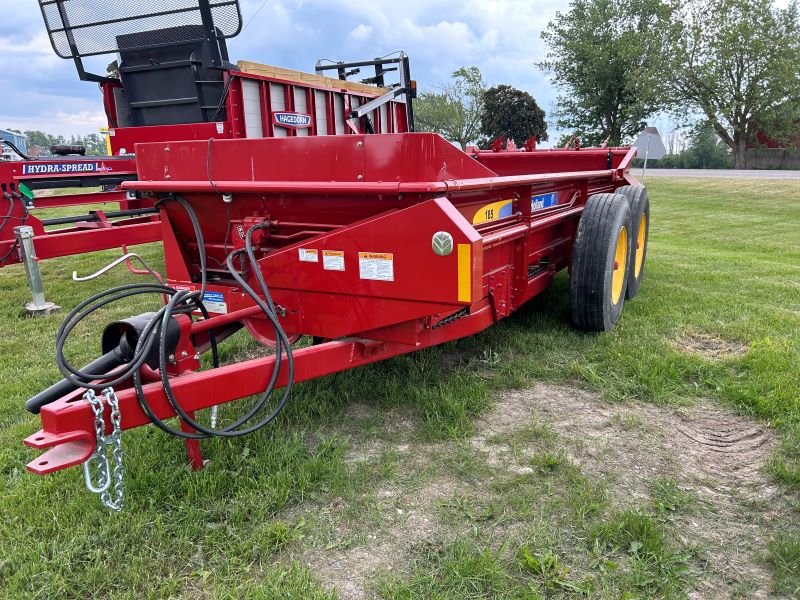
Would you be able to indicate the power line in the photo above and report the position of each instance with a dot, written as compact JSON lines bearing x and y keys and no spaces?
{"x":255,"y":14}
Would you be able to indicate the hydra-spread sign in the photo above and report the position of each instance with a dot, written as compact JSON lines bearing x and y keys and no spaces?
{"x":64,"y":168}
{"x":292,"y":119}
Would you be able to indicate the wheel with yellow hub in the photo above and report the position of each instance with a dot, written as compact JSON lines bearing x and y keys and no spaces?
{"x":640,"y":230}
{"x":601,"y":255}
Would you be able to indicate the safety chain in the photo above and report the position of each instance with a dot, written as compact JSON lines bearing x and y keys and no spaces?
{"x":105,"y":474}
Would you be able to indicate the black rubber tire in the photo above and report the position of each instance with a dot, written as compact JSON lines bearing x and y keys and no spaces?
{"x":640,"y":205}
{"x":593,"y":258}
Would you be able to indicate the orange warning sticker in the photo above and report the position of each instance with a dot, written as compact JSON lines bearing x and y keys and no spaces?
{"x":308,"y":255}
{"x":377,"y":266}
{"x":333,"y":260}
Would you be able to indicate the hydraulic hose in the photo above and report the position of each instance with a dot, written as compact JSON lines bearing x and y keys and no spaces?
{"x":282,"y":343}
{"x":15,"y":245}
{"x":11,"y":205}
{"x":6,"y":256}
{"x":152,"y":341}
{"x":19,"y":152}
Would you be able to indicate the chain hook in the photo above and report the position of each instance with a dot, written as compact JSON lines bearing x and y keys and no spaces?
{"x":99,"y":456}
{"x":106,"y":475}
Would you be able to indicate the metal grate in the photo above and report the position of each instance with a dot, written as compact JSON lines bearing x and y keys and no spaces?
{"x":89,"y":27}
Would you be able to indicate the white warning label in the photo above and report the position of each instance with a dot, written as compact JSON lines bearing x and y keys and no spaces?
{"x":333,"y":260}
{"x":308,"y":255}
{"x":378,"y":266}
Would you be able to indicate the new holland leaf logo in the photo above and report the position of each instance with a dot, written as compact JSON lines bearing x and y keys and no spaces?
{"x":442,"y":243}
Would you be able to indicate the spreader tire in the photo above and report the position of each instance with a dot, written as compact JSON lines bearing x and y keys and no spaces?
{"x":600,"y":258}
{"x":640,"y":232}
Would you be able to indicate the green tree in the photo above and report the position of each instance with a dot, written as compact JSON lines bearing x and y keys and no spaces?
{"x":604,"y":56}
{"x":512,"y":113}
{"x":454,"y":112}
{"x":95,"y":144}
{"x":738,"y":62}
{"x":706,"y":151}
{"x":40,"y":138}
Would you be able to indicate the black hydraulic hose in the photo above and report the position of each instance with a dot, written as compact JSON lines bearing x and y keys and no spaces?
{"x":84,"y":377}
{"x":5,"y":257}
{"x":15,"y":245}
{"x":11,"y":204}
{"x":281,"y":342}
{"x":19,"y":152}
{"x":152,"y":341}
{"x":251,"y":255}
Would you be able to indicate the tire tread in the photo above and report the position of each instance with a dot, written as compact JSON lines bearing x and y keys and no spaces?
{"x":595,"y":236}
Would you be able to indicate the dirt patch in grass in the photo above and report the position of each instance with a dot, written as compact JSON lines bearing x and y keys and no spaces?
{"x":704,"y":444}
{"x":397,"y":515}
{"x":709,"y":346}
{"x":400,"y":514}
{"x":700,"y":469}
{"x":408,"y":517}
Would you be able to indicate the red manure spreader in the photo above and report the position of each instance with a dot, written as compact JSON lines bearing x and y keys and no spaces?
{"x":348,"y":228}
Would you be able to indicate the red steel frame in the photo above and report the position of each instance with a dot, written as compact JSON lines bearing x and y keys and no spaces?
{"x":88,"y":236}
{"x":384,"y":196}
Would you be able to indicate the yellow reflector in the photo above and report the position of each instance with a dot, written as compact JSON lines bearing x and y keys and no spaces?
{"x":464,"y":273}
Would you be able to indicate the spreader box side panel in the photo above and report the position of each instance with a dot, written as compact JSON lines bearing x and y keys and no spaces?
{"x":425,"y":253}
{"x":408,"y":157}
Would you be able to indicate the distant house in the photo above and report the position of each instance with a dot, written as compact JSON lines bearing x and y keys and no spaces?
{"x":35,"y":151}
{"x":792,"y":142}
{"x":768,"y":153}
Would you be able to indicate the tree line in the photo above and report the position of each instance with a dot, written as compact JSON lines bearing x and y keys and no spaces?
{"x":728,"y":68}
{"x":94,"y":142}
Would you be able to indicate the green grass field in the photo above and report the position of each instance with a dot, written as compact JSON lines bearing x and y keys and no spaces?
{"x":421,"y":477}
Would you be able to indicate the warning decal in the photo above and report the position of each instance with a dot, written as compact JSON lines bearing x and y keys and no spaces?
{"x":378,"y":266}
{"x":333,"y":260}
{"x":308,"y":255}
{"x":215,"y":302}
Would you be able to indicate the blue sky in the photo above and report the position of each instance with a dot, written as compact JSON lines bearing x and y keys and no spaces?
{"x":41,"y":91}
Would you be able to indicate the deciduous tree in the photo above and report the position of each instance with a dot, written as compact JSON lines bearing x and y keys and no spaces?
{"x":454,"y":111}
{"x":45,"y":140}
{"x":512,"y":113}
{"x":738,"y":61}
{"x":605,"y":57}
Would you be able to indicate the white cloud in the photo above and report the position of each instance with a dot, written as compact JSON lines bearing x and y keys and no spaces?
{"x":502,"y":37}
{"x":361,"y":32}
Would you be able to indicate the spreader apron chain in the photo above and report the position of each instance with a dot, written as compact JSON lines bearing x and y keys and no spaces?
{"x":108,"y":478}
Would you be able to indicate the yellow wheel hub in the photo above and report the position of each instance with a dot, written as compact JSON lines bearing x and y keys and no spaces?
{"x":620,"y":266}
{"x":640,"y":241}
